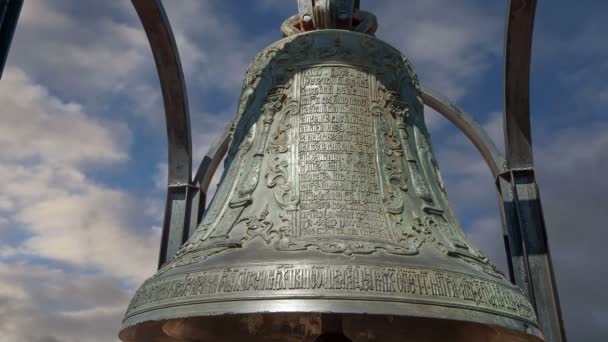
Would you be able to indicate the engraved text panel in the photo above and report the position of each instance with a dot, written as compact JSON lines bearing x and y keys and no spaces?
{"x":338,"y":182}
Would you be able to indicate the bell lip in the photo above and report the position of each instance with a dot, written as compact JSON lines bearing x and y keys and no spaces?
{"x":328,"y":306}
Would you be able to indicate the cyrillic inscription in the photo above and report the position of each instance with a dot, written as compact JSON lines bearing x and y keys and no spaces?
{"x":351,"y":281}
{"x":338,"y":185}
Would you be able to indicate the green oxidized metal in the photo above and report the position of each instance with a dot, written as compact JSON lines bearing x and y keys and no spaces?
{"x":331,"y":205}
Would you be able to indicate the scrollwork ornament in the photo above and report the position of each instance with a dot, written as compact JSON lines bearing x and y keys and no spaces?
{"x":342,"y":246}
{"x":278,"y":177}
{"x":260,"y":226}
{"x":272,"y":105}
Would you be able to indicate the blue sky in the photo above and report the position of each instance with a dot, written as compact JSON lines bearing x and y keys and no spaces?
{"x":83,"y":146}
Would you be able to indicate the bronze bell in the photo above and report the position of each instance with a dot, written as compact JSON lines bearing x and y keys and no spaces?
{"x":331,"y":221}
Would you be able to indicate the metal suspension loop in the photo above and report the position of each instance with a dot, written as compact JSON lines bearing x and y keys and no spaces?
{"x":330,"y":14}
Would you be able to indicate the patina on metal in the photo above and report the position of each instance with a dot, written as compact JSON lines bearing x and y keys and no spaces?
{"x":331,"y":218}
{"x":9,"y":15}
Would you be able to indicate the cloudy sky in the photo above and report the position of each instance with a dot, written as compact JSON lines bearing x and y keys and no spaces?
{"x":83,"y":146}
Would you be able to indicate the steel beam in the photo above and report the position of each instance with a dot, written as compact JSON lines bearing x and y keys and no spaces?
{"x":530,"y":256}
{"x":180,"y":190}
{"x":9,"y":15}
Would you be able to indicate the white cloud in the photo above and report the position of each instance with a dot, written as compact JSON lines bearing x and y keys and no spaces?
{"x":67,"y":216}
{"x":80,"y":55}
{"x":97,"y":56}
{"x":450,"y":45}
{"x":161,"y":176}
{"x":214,"y":53}
{"x":38,"y":126}
{"x":45,"y":304}
{"x":90,"y":228}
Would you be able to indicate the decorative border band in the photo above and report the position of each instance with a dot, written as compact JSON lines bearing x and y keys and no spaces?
{"x":353,"y":282}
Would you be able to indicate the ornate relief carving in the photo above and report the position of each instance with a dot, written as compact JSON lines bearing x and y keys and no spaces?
{"x":390,"y":150}
{"x":335,"y":146}
{"x":314,"y":151}
{"x":445,"y":221}
{"x":260,"y":226}
{"x":272,"y":105}
{"x":280,"y":140}
{"x":400,"y":111}
{"x":220,"y":203}
{"x":279,"y":175}
{"x":343,"y":246}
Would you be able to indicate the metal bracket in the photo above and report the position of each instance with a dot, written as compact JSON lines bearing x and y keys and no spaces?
{"x":327,"y":14}
{"x":330,"y":14}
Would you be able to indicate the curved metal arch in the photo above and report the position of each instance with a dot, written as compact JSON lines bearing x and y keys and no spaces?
{"x":183,"y":197}
{"x":162,"y":42}
{"x":518,"y":58}
{"x":471,"y":129}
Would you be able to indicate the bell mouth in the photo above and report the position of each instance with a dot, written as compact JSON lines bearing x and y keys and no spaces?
{"x":318,"y":327}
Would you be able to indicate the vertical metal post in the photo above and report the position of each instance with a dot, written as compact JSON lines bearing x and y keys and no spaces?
{"x":520,"y":273}
{"x":532,"y":267}
{"x":507,"y":224}
{"x":9,"y":15}
{"x":530,"y":255}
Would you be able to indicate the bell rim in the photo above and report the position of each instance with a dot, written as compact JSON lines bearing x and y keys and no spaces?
{"x":153,"y":294}
{"x":359,"y":307}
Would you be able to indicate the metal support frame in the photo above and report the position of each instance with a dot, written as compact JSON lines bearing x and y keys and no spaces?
{"x":181,"y":191}
{"x":532,"y":268}
{"x":524,"y":231}
{"x":471,"y":129}
{"x":9,"y":15}
{"x":185,"y":195}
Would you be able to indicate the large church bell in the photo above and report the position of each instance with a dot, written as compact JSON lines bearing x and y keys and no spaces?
{"x":331,"y":221}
